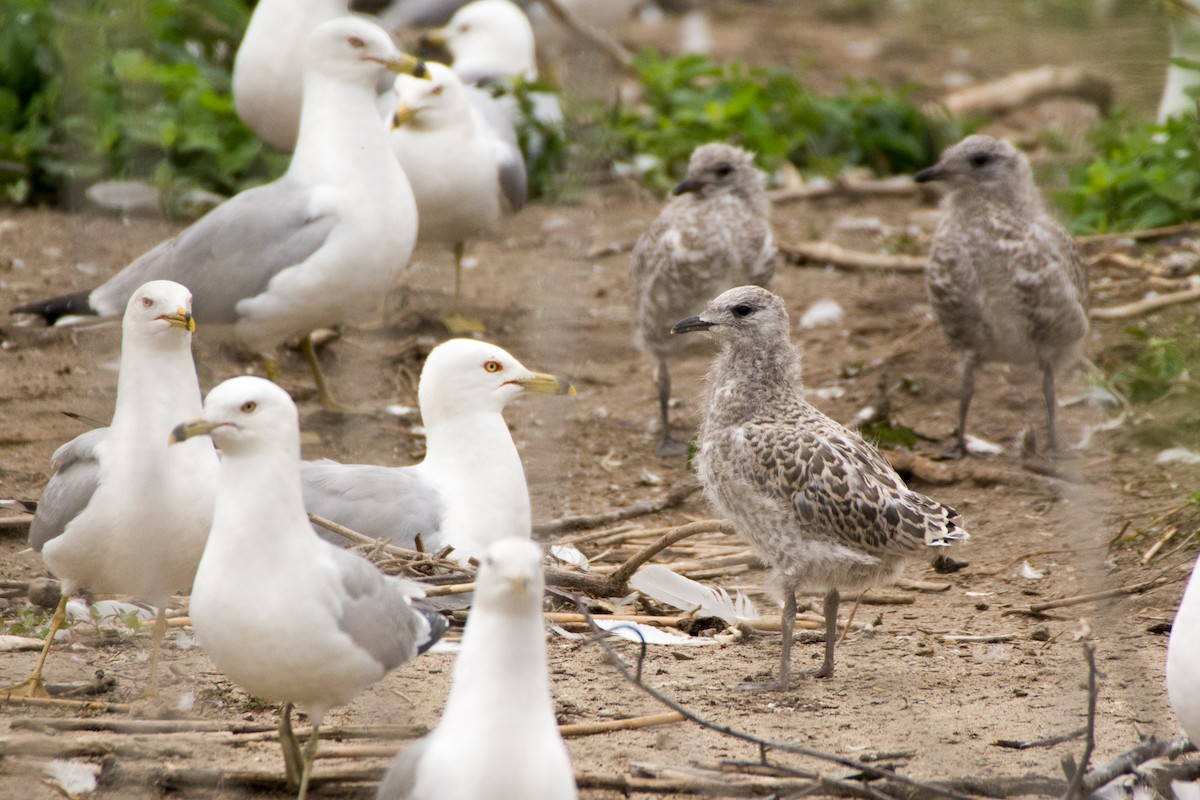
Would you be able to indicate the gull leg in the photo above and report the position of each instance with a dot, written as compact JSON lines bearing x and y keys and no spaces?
{"x":964,"y":404}
{"x":832,"y":598}
{"x":309,"y":755}
{"x":34,"y":686}
{"x":1051,"y":409}
{"x":323,"y":393}
{"x":667,"y":446}
{"x":160,"y":630}
{"x":292,"y":759}
{"x":271,"y":368}
{"x":455,"y":321}
{"x":786,"y":624}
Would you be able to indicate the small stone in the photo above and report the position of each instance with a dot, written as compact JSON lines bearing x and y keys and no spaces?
{"x":45,"y":592}
{"x":1040,"y":634}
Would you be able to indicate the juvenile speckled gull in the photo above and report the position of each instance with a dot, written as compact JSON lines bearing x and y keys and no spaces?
{"x":464,"y":175}
{"x":715,"y":234}
{"x":320,"y":246}
{"x":286,"y":615}
{"x":817,"y":504}
{"x":123,"y":513}
{"x":470,"y":489}
{"x":1183,"y":659}
{"x":1006,"y":280}
{"x":498,"y":737}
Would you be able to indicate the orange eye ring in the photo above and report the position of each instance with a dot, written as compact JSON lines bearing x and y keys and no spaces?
{"x":493,"y":366}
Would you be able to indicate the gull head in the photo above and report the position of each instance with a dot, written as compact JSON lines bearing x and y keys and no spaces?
{"x":438,"y":100}
{"x":719,"y":169}
{"x":747,"y":314}
{"x":465,"y":376}
{"x":244,"y":416}
{"x":355,"y":51}
{"x":982,"y":164}
{"x":510,"y":576}
{"x":160,"y":309}
{"x":488,"y":39}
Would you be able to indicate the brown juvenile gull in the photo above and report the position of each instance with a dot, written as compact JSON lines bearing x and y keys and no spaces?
{"x":1005,"y":279}
{"x":817,"y":503}
{"x":715,"y":234}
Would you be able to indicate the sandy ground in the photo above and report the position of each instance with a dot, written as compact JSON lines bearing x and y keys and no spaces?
{"x":551,"y":293}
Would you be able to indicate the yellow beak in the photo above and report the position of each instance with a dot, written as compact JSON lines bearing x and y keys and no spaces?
{"x":403,"y":65}
{"x":543,"y":383}
{"x":182,"y":318}
{"x":189,"y":430}
{"x":402,"y":114}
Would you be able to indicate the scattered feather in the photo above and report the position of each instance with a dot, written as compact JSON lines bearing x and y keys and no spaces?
{"x":1029,"y":572}
{"x":569,"y":554}
{"x":636,"y":632}
{"x":667,"y":586}
{"x":1177,"y":455}
{"x":72,"y":778}
{"x":982,"y":446}
{"x":825,"y":311}
{"x":186,"y":701}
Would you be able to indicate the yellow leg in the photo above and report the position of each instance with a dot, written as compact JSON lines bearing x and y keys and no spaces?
{"x":271,"y":368}
{"x":455,"y":321}
{"x":34,"y":686}
{"x":160,"y":630}
{"x":323,"y":393}
{"x":309,"y":755}
{"x":292,"y":758}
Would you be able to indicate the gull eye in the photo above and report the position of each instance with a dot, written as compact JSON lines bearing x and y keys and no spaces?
{"x":356,"y":43}
{"x":147,"y":302}
{"x":742,"y":310}
{"x":723,"y":170}
{"x":249,"y":406}
{"x":493,"y":366}
{"x":979,"y":159}
{"x":463,"y":28}
{"x":438,"y":89}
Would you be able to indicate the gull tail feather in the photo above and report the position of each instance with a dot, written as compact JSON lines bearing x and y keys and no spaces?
{"x":667,"y":586}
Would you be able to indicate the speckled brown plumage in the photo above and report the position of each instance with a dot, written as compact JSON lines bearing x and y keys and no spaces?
{"x":1005,"y":279}
{"x":817,"y":503}
{"x":714,"y":234}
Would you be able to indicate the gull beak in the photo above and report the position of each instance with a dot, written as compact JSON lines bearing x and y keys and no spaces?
{"x":686,"y":185}
{"x":403,"y":113}
{"x":403,"y":64}
{"x":928,"y":174}
{"x":519,"y":583}
{"x":190,"y":430}
{"x":182,"y":318}
{"x":691,"y":324}
{"x":435,"y":38}
{"x":543,"y":383}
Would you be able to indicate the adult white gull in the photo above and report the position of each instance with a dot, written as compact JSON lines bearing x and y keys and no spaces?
{"x":320,"y":246}
{"x":123,"y":513}
{"x":285,"y":614}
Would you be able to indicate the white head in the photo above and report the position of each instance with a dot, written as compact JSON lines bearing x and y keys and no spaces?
{"x":510,"y":576}
{"x":438,"y":101}
{"x":159,"y":312}
{"x":490,"y":39}
{"x":354,"y":51}
{"x":246,"y":416}
{"x":465,"y":376}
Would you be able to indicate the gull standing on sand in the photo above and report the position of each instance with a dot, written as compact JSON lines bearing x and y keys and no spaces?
{"x":123,"y":513}
{"x":817,"y":504}
{"x":470,"y":489}
{"x":498,"y":737}
{"x":320,"y":246}
{"x":1005,"y":279}
{"x":286,"y":615}
{"x":463,"y":175}
{"x":715,"y":234}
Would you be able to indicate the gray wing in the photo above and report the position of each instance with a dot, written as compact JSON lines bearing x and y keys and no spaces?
{"x":389,"y":503}
{"x":378,"y":613}
{"x":401,"y":776}
{"x":493,"y":117}
{"x":953,"y":288}
{"x":70,"y":488}
{"x":229,"y":254}
{"x":1051,"y":284}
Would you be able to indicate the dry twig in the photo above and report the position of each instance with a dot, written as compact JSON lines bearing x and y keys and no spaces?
{"x":828,"y":253}
{"x":1146,"y":306}
{"x":1028,"y":87}
{"x":676,"y":495}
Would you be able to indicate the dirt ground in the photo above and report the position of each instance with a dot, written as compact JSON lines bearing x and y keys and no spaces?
{"x":553,"y":293}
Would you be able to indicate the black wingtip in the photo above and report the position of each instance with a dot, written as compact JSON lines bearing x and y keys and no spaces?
{"x":57,"y":307}
{"x":437,"y":627}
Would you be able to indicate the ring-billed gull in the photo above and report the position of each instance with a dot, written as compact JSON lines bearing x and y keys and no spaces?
{"x":123,"y":513}
{"x":498,"y":736}
{"x":1183,"y":659}
{"x":285,"y":614}
{"x":470,"y":489}
{"x":463,"y":174}
{"x":714,"y":235}
{"x":1005,"y":279}
{"x":817,"y":504}
{"x":267,"y":89}
{"x":320,"y":246}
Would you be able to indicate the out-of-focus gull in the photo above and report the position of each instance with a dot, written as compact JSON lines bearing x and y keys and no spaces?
{"x":470,"y":488}
{"x":123,"y":513}
{"x":320,"y":246}
{"x":1004,"y":277}
{"x":463,"y":174}
{"x":498,"y":736}
{"x":714,"y":234}
{"x":267,"y":88}
{"x":1183,"y":659}
{"x":817,"y":503}
{"x":286,"y":615}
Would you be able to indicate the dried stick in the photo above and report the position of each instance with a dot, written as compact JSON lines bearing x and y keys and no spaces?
{"x":1137,"y":588}
{"x":1049,"y":741}
{"x":1147,"y":233}
{"x":1146,"y":306}
{"x":1074,"y":773}
{"x":632,"y":723}
{"x":1129,"y":761}
{"x":800,"y":253}
{"x":676,"y":495}
{"x":1027,"y":87}
{"x":79,"y":705}
{"x":611,"y":47}
{"x":901,"y":186}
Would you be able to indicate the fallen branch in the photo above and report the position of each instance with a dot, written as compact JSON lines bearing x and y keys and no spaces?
{"x":1147,"y":305}
{"x":675,"y":496}
{"x":610,"y":46}
{"x":1129,"y":761}
{"x":900,"y":186}
{"x":1049,"y":741}
{"x":1137,"y":588}
{"x":1146,"y":233}
{"x":629,"y":724}
{"x":828,"y":253}
{"x":1027,"y":87}
{"x":1076,"y":774}
{"x":79,"y":705}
